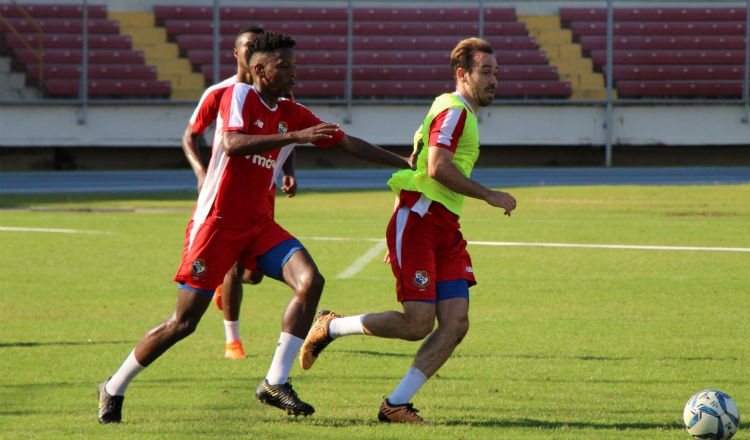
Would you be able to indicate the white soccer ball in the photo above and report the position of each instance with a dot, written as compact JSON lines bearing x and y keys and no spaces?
{"x":711,"y":414}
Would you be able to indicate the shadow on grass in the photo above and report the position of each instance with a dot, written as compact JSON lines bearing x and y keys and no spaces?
{"x":59,"y":343}
{"x":547,"y":424}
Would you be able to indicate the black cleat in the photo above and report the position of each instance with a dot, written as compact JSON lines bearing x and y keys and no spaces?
{"x":110,"y":407}
{"x":282,"y":396}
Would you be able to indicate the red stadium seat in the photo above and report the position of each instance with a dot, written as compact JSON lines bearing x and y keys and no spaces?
{"x":63,"y":25}
{"x":318,"y":88}
{"x":664,"y":57}
{"x":654,"y":28}
{"x":53,"y":11}
{"x":109,"y":71}
{"x":638,"y":89}
{"x":75,"y":56}
{"x":109,"y":87}
{"x":677,"y":72}
{"x":728,"y":42}
{"x":416,"y":14}
{"x":70,"y":41}
{"x":653,"y":14}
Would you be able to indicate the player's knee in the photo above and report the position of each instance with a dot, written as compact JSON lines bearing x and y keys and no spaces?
{"x":459,"y":327}
{"x":181,"y":328}
{"x":310,"y":283}
{"x":419,"y":329}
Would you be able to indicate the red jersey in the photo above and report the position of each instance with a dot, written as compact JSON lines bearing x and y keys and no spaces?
{"x":236,"y":192}
{"x":207,"y":110}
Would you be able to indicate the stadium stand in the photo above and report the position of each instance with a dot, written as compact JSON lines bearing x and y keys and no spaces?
{"x":388,"y":44}
{"x":115,"y":69}
{"x":666,"y":52}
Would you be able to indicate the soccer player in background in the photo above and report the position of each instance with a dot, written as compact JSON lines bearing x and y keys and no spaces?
{"x":228,"y":296}
{"x":426,"y":249}
{"x":235,"y":222}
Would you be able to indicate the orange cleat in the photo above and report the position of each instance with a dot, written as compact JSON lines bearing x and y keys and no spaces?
{"x":234,"y":350}
{"x":217,"y":298}
{"x":317,"y":339}
{"x":400,"y":414}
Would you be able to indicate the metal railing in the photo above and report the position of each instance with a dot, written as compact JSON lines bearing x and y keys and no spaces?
{"x":348,"y":100}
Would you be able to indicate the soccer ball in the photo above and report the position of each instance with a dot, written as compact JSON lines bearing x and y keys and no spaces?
{"x":711,"y":414}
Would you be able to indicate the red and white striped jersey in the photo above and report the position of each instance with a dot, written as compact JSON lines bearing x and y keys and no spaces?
{"x":236,"y":190}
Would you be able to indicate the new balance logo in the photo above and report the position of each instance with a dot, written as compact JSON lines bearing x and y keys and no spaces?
{"x":259,"y":123}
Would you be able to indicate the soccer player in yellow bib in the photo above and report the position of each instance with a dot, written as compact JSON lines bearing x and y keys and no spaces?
{"x":427,"y":251}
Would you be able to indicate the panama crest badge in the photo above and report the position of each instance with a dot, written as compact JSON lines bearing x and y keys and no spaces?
{"x":198,"y":268}
{"x":283,"y":127}
{"x":421,"y":279}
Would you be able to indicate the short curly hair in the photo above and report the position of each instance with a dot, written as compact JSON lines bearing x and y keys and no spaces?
{"x":268,"y":42}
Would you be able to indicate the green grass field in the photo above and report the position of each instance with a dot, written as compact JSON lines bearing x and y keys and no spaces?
{"x":565,"y":343}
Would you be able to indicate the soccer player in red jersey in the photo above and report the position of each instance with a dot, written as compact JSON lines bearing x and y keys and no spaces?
{"x":228,"y":296}
{"x":234,"y":222}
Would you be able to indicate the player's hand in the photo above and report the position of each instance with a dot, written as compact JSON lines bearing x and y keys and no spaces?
{"x":502,"y":200}
{"x":316,"y":133}
{"x":289,"y":186}
{"x":387,"y":257}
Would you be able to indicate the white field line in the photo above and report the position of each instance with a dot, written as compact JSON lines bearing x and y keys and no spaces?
{"x":566,"y":245}
{"x":362,"y":261}
{"x":59,"y":231}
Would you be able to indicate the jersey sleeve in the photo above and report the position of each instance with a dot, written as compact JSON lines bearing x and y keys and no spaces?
{"x":447,"y":128}
{"x":304,"y":118}
{"x":233,"y":108}
{"x":206,"y":111}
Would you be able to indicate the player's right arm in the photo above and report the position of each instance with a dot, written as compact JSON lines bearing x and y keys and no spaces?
{"x":192,"y":153}
{"x":441,"y":168}
{"x":238,"y":143}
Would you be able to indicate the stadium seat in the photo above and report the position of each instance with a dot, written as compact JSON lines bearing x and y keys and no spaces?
{"x":705,"y":89}
{"x":74,"y":56}
{"x":660,"y":14}
{"x":95,"y":71}
{"x":677,"y":72}
{"x":53,"y":11}
{"x":666,"y":57}
{"x":393,"y":47}
{"x":109,"y":88}
{"x":63,"y":25}
{"x":652,"y":28}
{"x":663,"y":52}
{"x":679,"y":42}
{"x":70,"y":41}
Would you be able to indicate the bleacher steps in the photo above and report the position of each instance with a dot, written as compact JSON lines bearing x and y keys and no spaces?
{"x":13,"y":84}
{"x":152,"y":40}
{"x":567,"y":56}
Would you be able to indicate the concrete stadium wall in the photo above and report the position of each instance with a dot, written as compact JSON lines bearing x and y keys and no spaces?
{"x":162,"y":125}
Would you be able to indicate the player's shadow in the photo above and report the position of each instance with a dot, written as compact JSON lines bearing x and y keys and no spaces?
{"x":547,"y":424}
{"x":58,"y":343}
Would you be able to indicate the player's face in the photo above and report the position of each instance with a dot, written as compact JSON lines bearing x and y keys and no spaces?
{"x":279,"y":72}
{"x":482,"y":80}
{"x":241,"y":46}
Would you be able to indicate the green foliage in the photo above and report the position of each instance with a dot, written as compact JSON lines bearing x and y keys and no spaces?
{"x":565,"y":343}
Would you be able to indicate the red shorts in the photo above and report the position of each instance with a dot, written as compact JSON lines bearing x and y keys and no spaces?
{"x":214,"y":250}
{"x":426,"y":250}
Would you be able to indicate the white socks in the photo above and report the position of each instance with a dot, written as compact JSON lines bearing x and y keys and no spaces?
{"x":410,"y":384}
{"x":232,"y":330}
{"x":349,"y":325}
{"x":283,"y":359}
{"x":121,"y":379}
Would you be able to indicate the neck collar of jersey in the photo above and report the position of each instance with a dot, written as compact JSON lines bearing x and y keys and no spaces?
{"x":264,"y":102}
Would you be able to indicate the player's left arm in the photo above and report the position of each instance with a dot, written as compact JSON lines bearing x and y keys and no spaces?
{"x":440,"y":167}
{"x":289,"y":182}
{"x":366,"y":151}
